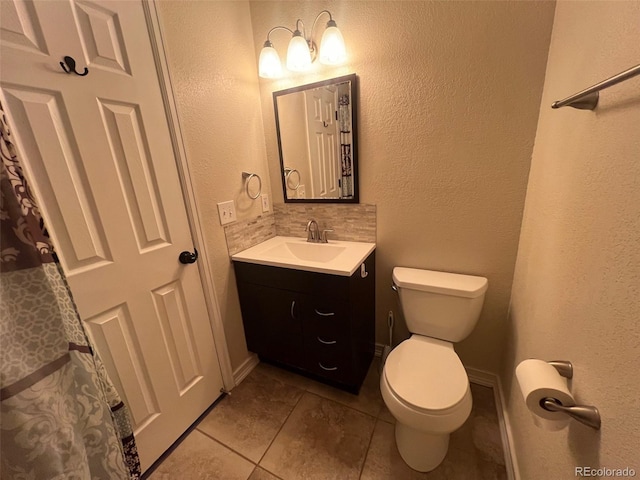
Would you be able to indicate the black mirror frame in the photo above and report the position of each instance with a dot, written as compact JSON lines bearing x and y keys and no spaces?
{"x":354,"y":135}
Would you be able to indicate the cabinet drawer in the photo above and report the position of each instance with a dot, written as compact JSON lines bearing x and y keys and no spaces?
{"x":327,"y":319}
{"x":336,"y":348}
{"x":334,"y":365}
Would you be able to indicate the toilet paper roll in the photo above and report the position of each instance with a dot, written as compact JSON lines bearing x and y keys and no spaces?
{"x":539,"y":380}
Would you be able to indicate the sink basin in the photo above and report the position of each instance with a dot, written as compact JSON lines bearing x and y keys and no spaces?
{"x":335,"y":257}
{"x":312,"y":252}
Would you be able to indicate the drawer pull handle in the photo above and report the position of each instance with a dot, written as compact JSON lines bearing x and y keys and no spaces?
{"x":330,"y":342}
{"x":329,"y":369}
{"x":293,"y":305}
{"x":330,"y":314}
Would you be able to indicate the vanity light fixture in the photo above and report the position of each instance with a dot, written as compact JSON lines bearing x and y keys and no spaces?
{"x":302,"y":50}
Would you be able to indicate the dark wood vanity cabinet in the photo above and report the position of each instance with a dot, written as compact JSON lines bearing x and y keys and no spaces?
{"x":319,"y":324}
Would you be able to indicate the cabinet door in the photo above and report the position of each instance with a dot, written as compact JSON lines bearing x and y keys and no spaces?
{"x":272,"y":323}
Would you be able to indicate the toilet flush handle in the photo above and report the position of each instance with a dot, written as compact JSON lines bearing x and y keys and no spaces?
{"x":394,"y":287}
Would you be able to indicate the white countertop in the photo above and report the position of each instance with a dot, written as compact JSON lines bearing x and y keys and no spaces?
{"x":335,"y":258}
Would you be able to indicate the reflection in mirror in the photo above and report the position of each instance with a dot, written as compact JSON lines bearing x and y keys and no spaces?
{"x":316,"y":127}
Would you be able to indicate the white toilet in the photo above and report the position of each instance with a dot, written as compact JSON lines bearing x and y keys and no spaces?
{"x":423,"y":382}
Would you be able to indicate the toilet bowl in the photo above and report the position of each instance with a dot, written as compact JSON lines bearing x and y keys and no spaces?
{"x":427,"y":403}
{"x":423,"y":383}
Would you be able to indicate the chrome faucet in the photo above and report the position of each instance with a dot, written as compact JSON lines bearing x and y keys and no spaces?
{"x":313,"y":232}
{"x":314,"y":235}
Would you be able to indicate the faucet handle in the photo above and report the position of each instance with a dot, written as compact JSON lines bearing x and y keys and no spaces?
{"x":323,"y":235}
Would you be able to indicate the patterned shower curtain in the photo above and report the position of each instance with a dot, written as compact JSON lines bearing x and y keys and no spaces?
{"x":60,"y":416}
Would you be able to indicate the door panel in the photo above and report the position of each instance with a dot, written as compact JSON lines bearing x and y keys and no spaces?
{"x":130,"y":153}
{"x":114,"y":336}
{"x":177,"y":334}
{"x":98,"y":151}
{"x":102,"y":37}
{"x":323,"y":147}
{"x":47,"y":134}
{"x":20,"y":26}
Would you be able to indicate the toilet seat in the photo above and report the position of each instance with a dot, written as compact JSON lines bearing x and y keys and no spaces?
{"x":427,"y":375}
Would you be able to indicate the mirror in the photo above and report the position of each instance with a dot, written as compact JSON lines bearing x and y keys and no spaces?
{"x":316,"y":128}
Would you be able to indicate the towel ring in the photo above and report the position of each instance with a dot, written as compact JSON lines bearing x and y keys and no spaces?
{"x":247,"y":178}
{"x":287,"y":175}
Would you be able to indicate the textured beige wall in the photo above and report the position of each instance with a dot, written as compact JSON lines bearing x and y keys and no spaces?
{"x":576,"y":290}
{"x":448,"y":104}
{"x":215,"y":81}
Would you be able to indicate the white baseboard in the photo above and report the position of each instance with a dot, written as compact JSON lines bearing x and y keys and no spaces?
{"x":480,"y":377}
{"x":487,"y":379}
{"x":240,"y":373}
{"x":505,"y":424}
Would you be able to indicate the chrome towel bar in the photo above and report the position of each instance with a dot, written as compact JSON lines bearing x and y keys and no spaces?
{"x":587,"y":99}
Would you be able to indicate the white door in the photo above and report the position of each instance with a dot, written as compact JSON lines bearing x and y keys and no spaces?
{"x":99,"y":153}
{"x":323,"y":142}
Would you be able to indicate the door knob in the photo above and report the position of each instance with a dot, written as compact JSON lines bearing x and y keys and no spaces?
{"x":187,"y":257}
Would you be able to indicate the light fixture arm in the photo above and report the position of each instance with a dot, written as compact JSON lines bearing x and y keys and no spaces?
{"x":312,"y":45}
{"x":304,"y":32}
{"x":277,"y":28}
{"x":318,"y":16}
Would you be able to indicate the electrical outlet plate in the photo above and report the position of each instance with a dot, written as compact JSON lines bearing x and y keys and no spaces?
{"x":301,"y":191}
{"x":227,"y":212}
{"x":265,"y":202}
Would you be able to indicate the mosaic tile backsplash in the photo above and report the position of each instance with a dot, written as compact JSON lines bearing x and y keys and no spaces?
{"x":355,"y":223}
{"x":247,"y":233}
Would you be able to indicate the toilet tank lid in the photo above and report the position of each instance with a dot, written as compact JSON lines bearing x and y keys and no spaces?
{"x":454,"y":284}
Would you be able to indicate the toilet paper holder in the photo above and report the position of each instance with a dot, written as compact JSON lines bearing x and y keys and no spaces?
{"x":564,"y":367}
{"x":587,"y":414}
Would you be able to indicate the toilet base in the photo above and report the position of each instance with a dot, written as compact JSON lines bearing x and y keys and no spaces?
{"x":420,"y":450}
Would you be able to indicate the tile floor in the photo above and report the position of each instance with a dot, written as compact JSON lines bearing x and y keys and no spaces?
{"x":279,"y":425}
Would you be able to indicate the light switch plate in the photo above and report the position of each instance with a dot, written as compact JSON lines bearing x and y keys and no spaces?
{"x":227,"y":212}
{"x":266,"y":206}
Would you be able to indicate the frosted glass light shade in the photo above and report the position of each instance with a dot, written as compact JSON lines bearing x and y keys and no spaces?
{"x":269,"y":65}
{"x":298,"y":54}
{"x":332,"y":49}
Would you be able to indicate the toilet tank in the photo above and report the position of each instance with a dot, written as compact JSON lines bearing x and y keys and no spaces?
{"x":439,"y":304}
